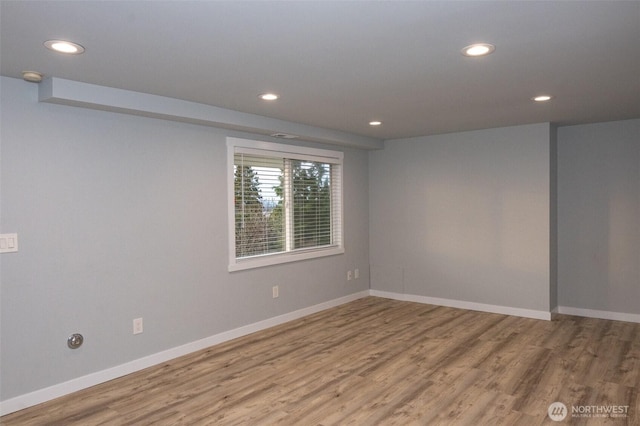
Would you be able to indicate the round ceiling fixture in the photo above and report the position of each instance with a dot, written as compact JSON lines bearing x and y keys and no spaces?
{"x":542,"y":98}
{"x":62,"y":46}
{"x":32,"y":76}
{"x":478,"y":49}
{"x":268,"y":96}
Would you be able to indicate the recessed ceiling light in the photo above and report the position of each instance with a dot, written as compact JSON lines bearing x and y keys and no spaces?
{"x":268,"y":96}
{"x":478,"y":49}
{"x":542,"y":98}
{"x":375,"y":123}
{"x":62,"y":46}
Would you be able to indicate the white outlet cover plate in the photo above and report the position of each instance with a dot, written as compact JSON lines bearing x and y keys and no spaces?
{"x":8,"y":243}
{"x":137,"y":326}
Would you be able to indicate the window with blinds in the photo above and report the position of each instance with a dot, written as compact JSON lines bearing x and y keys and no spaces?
{"x":285,"y":203}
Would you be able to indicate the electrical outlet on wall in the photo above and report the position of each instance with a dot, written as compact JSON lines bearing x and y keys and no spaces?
{"x":137,"y":326}
{"x":349,"y":275}
{"x":275,"y":291}
{"x":8,"y":243}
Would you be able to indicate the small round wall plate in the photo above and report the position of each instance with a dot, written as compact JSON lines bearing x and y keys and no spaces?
{"x":75,"y":341}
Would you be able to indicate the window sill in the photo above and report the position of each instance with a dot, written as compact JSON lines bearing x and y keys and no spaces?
{"x":280,"y":258}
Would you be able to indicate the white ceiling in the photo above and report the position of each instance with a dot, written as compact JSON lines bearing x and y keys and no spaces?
{"x":338,"y":65}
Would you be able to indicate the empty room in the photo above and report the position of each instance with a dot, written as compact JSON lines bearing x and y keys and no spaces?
{"x":319,"y":212}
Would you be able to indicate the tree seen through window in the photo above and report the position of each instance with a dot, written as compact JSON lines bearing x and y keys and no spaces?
{"x":281,"y":208}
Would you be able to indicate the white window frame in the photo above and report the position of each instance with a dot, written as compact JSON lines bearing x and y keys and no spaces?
{"x":295,"y":152}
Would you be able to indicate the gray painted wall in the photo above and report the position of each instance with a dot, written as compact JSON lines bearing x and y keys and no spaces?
{"x":599,"y":216}
{"x":464,"y":216}
{"x":120,"y":217}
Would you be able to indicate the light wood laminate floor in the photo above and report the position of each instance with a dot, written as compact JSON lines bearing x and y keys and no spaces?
{"x":376,"y":361}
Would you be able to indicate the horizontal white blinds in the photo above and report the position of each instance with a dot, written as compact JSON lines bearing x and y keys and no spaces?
{"x":285,"y":204}
{"x":258,"y":216}
{"x":311,"y":155}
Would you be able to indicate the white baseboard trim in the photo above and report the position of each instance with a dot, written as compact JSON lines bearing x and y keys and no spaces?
{"x":43,"y":395}
{"x":473,"y":306}
{"x":593,"y":313}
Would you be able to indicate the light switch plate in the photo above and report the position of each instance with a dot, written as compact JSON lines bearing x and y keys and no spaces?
{"x":8,"y":243}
